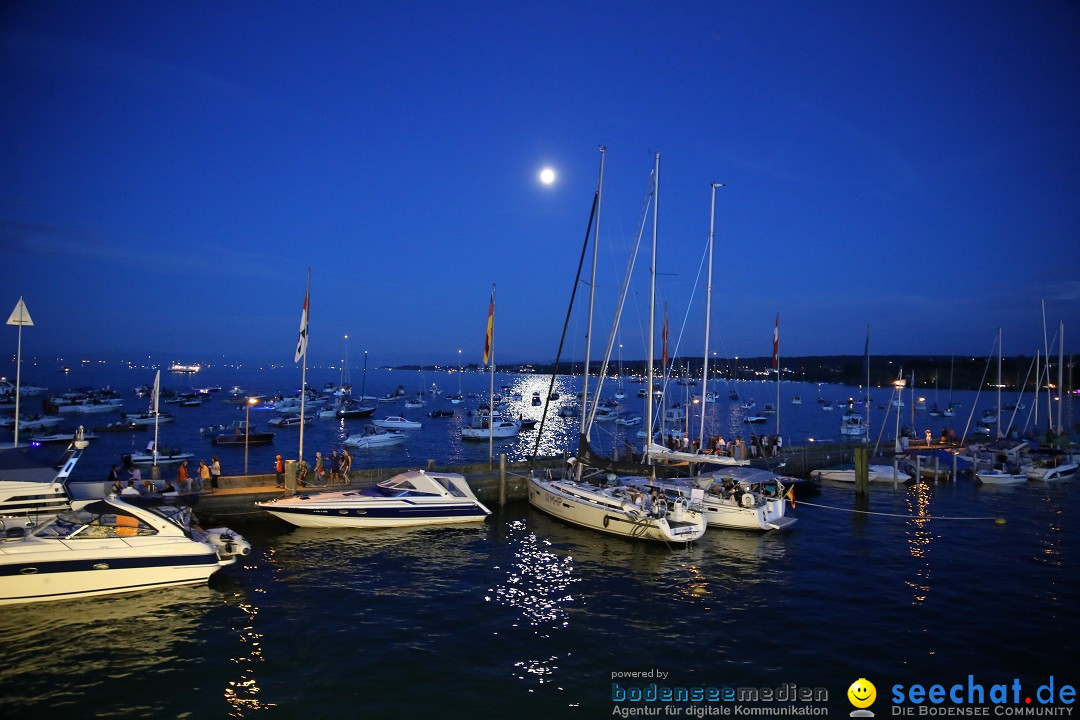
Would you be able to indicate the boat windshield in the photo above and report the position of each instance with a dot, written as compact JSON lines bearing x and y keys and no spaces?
{"x":400,"y":487}
{"x":95,"y":521}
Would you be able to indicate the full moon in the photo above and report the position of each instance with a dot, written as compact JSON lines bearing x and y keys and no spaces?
{"x":547,"y":176}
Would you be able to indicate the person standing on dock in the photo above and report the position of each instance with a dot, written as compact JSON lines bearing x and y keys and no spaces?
{"x":182,"y":480}
{"x":335,"y":467}
{"x":279,"y":470}
{"x":346,"y":465}
{"x":215,"y":472}
{"x":202,"y":476}
{"x":929,"y":437}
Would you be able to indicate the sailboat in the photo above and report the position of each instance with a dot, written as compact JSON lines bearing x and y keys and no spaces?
{"x":155,"y":455}
{"x":626,"y":509}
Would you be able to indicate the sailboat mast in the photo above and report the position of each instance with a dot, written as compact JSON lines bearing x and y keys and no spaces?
{"x":652,"y":305}
{"x":1061,"y":371}
{"x":866,"y":395}
{"x":776,"y":338}
{"x":157,"y":393}
{"x":491,"y":388}
{"x":586,"y":416}
{"x":708,"y":314}
{"x":999,"y":386}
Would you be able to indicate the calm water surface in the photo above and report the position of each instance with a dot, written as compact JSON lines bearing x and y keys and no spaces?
{"x":525,"y":617}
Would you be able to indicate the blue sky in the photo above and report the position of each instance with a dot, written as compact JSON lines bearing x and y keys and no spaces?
{"x":171,"y":170}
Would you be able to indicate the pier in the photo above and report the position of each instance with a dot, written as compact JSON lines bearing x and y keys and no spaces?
{"x":494,"y":484}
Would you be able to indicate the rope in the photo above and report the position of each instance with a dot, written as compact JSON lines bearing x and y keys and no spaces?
{"x":998,"y":520}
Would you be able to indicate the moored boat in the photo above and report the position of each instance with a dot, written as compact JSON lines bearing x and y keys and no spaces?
{"x":415,"y":497}
{"x":108,"y":546}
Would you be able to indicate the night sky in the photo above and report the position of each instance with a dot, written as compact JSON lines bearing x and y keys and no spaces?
{"x":171,"y":171}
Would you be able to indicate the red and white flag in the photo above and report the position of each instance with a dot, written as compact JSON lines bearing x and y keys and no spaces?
{"x":776,"y":343}
{"x":301,"y":344}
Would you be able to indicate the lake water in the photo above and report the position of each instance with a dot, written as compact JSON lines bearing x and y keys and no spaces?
{"x":525,"y":617}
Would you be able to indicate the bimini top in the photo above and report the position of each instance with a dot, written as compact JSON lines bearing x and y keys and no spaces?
{"x":418,"y":483}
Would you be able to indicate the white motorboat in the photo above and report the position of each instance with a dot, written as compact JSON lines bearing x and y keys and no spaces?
{"x":29,"y":489}
{"x":288,"y":421}
{"x":628,"y":420}
{"x":853,"y":425}
{"x":372,"y":436}
{"x":625,"y":511}
{"x":415,"y":497}
{"x":877,"y":473}
{"x":482,"y":430}
{"x":106,"y":546}
{"x":733,"y":503}
{"x":148,"y":418}
{"x":164,"y":456}
{"x":60,"y":437}
{"x":396,"y":422}
{"x":1050,"y":466}
{"x":38,"y":422}
{"x":1000,"y":476}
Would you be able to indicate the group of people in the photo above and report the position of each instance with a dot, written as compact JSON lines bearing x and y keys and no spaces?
{"x":129,"y":481}
{"x":330,"y":470}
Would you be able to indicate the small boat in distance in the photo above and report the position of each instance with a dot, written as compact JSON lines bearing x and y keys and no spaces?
{"x":372,"y":436}
{"x":396,"y":422}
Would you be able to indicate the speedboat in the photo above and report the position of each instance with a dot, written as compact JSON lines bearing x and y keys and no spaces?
{"x":372,"y":437}
{"x":30,"y":489}
{"x":396,"y":422}
{"x":61,"y":437}
{"x":1000,"y":476}
{"x":628,"y":420}
{"x":164,"y":456}
{"x":38,"y":422}
{"x":626,"y":511}
{"x":484,"y":429}
{"x":237,"y":433}
{"x":147,"y":418}
{"x":106,"y":546}
{"x":1050,"y":466}
{"x":288,"y":421}
{"x":415,"y":497}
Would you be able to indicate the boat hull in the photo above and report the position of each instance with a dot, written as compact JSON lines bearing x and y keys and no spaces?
{"x":374,"y":514}
{"x":570,"y":503}
{"x":44,"y":574}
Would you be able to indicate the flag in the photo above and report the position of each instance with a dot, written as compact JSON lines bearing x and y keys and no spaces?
{"x":301,"y":344}
{"x":776,"y":343}
{"x":157,"y":391}
{"x":489,"y":337}
{"x":663,"y":340}
{"x":790,"y":495}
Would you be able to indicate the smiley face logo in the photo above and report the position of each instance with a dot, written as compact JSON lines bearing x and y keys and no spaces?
{"x":862,"y":693}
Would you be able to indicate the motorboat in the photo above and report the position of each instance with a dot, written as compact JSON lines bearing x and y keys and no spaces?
{"x":61,"y":437}
{"x":37,"y":422}
{"x":289,"y":421}
{"x":396,"y":422}
{"x":1050,"y":466}
{"x":606,"y":414}
{"x":483,"y":430}
{"x":415,"y":497}
{"x":441,"y":413}
{"x":876,"y":473}
{"x":237,"y":433}
{"x":733,"y":503}
{"x":754,"y":419}
{"x":372,"y":436}
{"x":624,"y":510}
{"x":148,"y":418}
{"x":796,"y":400}
{"x":107,"y":546}
{"x":628,"y":420}
{"x":1000,"y":476}
{"x":414,"y":403}
{"x":31,"y":489}
{"x":164,"y":456}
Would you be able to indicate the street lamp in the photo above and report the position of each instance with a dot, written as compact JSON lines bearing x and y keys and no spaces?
{"x":247,"y":428}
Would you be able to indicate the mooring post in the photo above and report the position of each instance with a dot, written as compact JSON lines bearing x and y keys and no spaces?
{"x":290,"y":476}
{"x":862,"y":471}
{"x":954,"y":465}
{"x":502,"y":479}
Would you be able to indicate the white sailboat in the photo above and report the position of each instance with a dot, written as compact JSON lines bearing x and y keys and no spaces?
{"x":624,"y":511}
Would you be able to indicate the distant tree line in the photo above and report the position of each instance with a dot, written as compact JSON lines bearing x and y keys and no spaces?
{"x":961,"y":373}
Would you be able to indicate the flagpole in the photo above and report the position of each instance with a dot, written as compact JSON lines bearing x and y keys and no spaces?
{"x":19,"y":316}
{"x":776,"y":359}
{"x":491,"y":389}
{"x":303,"y":372}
